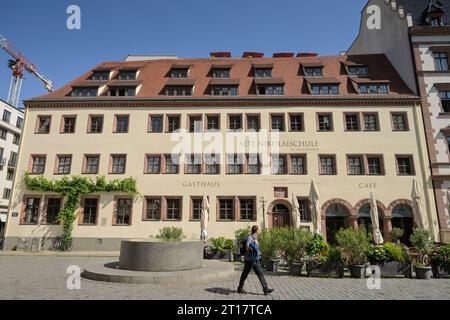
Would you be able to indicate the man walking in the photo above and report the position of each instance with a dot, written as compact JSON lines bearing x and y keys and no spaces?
{"x":252,"y":259}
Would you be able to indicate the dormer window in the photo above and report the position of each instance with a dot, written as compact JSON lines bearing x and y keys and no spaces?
{"x":181,"y":73}
{"x":440,"y":61}
{"x":100,"y":76}
{"x":84,"y":92}
{"x":221,"y":73}
{"x":270,"y":90}
{"x":325,"y":89}
{"x":122,"y":92}
{"x":435,"y":22}
{"x":314,"y":72}
{"x":373,"y":88}
{"x":263,"y":73}
{"x":179,"y":91}
{"x":127,"y":75}
{"x":224,"y":90}
{"x":358,"y":71}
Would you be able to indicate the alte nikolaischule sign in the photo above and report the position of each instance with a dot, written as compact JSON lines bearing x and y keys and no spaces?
{"x":282,"y":144}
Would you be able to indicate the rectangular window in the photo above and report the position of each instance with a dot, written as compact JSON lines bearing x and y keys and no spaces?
{"x":373,"y":88}
{"x":263,"y":73}
{"x":226,"y":209}
{"x":325,"y":122}
{"x":325,"y":89}
{"x":253,"y":164}
{"x":95,"y":124}
{"x":197,"y":204}
{"x":305,"y":214}
{"x":53,"y":209}
{"x":179,"y":91}
{"x":31,"y":214}
{"x":358,"y":71}
{"x":298,"y":165}
{"x":43,"y":124}
{"x":12,"y":159}
{"x":10,"y":174}
{"x":3,"y":133}
{"x":327,"y":165}
{"x":6,"y":116}
{"x":100,"y":76}
{"x":195,"y":124}
{"x":404,"y":165}
{"x":121,"y":123}
{"x":296,"y":122}
{"x":253,"y":123}
{"x":224,"y":90}
{"x":279,"y":164}
{"x":193,"y":164}
{"x":38,"y":164}
{"x":270,"y":90}
{"x":64,"y":164}
{"x":212,"y":164}
{"x":221,"y":73}
{"x":313,"y":72}
{"x":355,"y":166}
{"x":156,"y":124}
{"x":118,"y":164}
{"x":247,"y":209}
{"x":375,"y":165}
{"x":173,"y":123}
{"x":445,"y":100}
{"x":122,"y":92}
{"x":19,"y":122}
{"x":352,"y":122}
{"x":173,"y":207}
{"x":84,"y":92}
{"x":371,"y":122}
{"x":123,"y":211}
{"x":213,"y":122}
{"x":153,"y":164}
{"x":92,"y":163}
{"x":172,"y":164}
{"x":68,"y":125}
{"x":234,"y":164}
{"x":127,"y":75}
{"x":90,"y":211}
{"x":153,"y":209}
{"x":179,"y":73}
{"x":277,"y":123}
{"x":6,"y":193}
{"x":399,"y":122}
{"x":235,"y":123}
{"x":440,"y":61}
{"x":16,"y":139}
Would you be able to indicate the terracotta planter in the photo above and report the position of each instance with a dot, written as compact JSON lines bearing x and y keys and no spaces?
{"x":358,"y":271}
{"x":440,"y":269}
{"x":329,"y":269}
{"x":295,"y":269}
{"x":394,"y":268}
{"x":423,"y":273}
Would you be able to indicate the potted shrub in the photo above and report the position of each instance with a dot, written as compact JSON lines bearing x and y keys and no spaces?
{"x":294,"y":244}
{"x":354,"y":245}
{"x":323,"y":260}
{"x":421,"y":240}
{"x":222,"y":248}
{"x":269,"y":245}
{"x":392,"y":259}
{"x":396,"y":235}
{"x":169,"y":234}
{"x":440,"y":261}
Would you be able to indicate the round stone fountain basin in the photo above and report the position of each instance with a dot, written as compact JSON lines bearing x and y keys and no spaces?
{"x":158,"y":256}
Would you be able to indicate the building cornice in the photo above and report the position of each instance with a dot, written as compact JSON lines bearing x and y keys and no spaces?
{"x":429,"y":31}
{"x":221,"y":103}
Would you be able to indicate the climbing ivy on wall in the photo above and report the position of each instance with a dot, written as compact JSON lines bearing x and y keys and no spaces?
{"x":72,"y":188}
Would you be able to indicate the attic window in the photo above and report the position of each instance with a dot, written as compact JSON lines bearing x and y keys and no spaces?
{"x":325,"y":89}
{"x":373,"y":88}
{"x":100,"y":76}
{"x":122,"y":92}
{"x":263,"y":73}
{"x":84,"y":92}
{"x":435,"y":22}
{"x":179,"y":73}
{"x":127,"y":75}
{"x":221,"y":73}
{"x":179,"y":90}
{"x":314,"y":71}
{"x":358,"y":71}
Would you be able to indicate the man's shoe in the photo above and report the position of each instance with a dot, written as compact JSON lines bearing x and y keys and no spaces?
{"x":268,"y":291}
{"x":241,"y":291}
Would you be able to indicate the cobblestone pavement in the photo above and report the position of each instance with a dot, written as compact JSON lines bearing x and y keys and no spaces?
{"x":45,"y":278}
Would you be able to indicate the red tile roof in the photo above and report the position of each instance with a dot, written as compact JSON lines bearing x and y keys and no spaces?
{"x":154,"y":76}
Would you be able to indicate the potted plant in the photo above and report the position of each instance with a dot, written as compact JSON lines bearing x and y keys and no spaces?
{"x":421,"y":240}
{"x":222,"y":248}
{"x":440,"y":261}
{"x":323,"y":260}
{"x":171,"y":234}
{"x":397,"y":234}
{"x":354,"y":245}
{"x":269,"y":245}
{"x":239,"y":236}
{"x":294,"y":244}
{"x":392,"y":259}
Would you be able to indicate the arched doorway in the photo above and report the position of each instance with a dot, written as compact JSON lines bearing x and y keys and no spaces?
{"x":403,"y":218}
{"x":364,"y":219}
{"x":281,"y":215}
{"x":336,"y":219}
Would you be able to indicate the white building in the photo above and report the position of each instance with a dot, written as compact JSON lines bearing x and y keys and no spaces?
{"x":11,"y":121}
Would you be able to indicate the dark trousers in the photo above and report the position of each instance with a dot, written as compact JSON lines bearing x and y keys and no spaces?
{"x":258,"y":270}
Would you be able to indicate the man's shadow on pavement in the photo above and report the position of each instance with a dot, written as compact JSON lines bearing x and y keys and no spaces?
{"x":227,"y":292}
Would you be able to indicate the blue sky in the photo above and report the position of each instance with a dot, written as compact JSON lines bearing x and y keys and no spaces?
{"x":112,"y":29}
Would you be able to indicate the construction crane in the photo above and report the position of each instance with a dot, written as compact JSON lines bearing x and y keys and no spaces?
{"x":18,"y":64}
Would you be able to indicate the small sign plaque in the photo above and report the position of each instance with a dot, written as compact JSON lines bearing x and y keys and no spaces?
{"x":15,"y":214}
